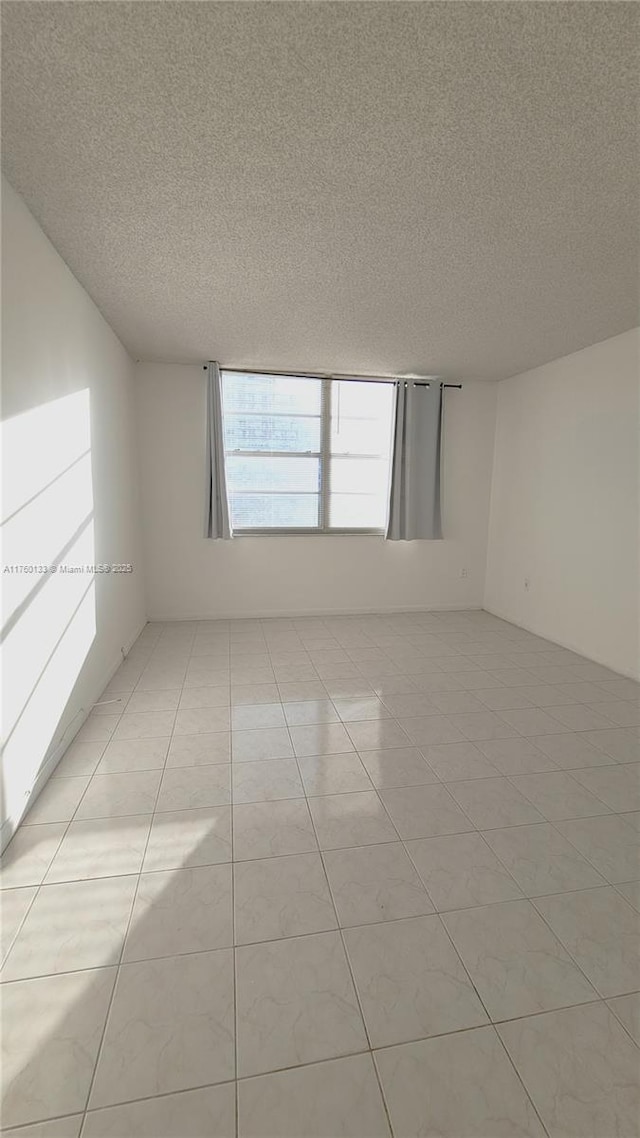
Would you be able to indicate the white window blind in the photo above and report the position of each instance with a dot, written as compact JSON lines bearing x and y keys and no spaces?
{"x":306,"y":455}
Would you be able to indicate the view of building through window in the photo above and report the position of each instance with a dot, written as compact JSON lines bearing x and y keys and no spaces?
{"x":305,"y":453}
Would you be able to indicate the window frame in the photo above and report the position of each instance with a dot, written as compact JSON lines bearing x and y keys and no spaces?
{"x":323,"y":455}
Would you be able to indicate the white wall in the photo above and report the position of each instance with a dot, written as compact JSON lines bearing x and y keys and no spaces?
{"x":188,"y":576}
{"x":69,"y":488}
{"x":565,"y":503}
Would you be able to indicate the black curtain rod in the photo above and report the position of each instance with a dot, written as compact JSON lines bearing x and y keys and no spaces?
{"x":340,"y":378}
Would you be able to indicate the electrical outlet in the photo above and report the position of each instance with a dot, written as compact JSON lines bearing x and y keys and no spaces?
{"x":527,"y":584}
{"x":464,"y":572}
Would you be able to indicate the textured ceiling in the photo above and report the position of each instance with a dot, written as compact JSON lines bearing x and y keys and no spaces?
{"x":359,"y":187}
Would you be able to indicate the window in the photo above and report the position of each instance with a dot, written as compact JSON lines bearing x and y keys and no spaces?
{"x":306,"y":455}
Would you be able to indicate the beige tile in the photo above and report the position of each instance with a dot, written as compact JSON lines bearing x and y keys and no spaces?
{"x":621,"y":744}
{"x":351,"y":820}
{"x":482,"y":725}
{"x":578,"y":717}
{"x":424,"y":811}
{"x":199,"y":750}
{"x":251,"y":716}
{"x":295,"y":1003}
{"x":270,"y":829}
{"x":610,"y":843}
{"x":209,"y":1111}
{"x":170,"y":1027}
{"x":14,"y":905}
{"x":320,"y":739}
{"x":500,"y":699}
{"x":384,"y":686}
{"x":541,"y":860}
{"x":333,"y":774}
{"x":57,"y":801}
{"x":354,"y":709}
{"x":202,"y":720}
{"x":494,"y":802}
{"x":181,"y":910}
{"x":411,"y":704}
{"x":217,"y":677}
{"x":621,"y":688}
{"x":618,"y":787}
{"x":219,"y":696}
{"x":516,"y":963}
{"x":533,"y":721}
{"x":281,"y":897}
{"x":30,"y":854}
{"x":457,"y":702}
{"x":186,"y":788}
{"x":266,"y":781}
{"x":455,"y":1086}
{"x":459,"y":870}
{"x":624,"y":712}
{"x":399,"y":766}
{"x":571,"y":750}
{"x":431,"y":730}
{"x":115,"y":795}
{"x":79,"y":759}
{"x":302,"y":691}
{"x":97,"y":728}
{"x":52,"y":1028}
{"x":68,"y":1127}
{"x":627,"y":1009}
{"x":124,"y":755}
{"x":375,"y":883}
{"x":516,"y":756}
{"x":557,"y":795}
{"x":580,"y":692}
{"x":184,"y":838}
{"x":453,"y":762}
{"x":338,"y":1097}
{"x":264,"y":743}
{"x":72,"y":926}
{"x":601,"y":932}
{"x":242,"y":694}
{"x":630,"y":890}
{"x":580,"y":1069}
{"x":145,"y":725}
{"x":410,"y":981}
{"x":167,"y":700}
{"x":348,"y":686}
{"x":104,"y":847}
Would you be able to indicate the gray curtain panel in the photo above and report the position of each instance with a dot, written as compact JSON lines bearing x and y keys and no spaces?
{"x":217,"y":524}
{"x":414,"y":496}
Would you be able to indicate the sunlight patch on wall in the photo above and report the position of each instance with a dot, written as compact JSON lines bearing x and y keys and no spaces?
{"x":49,"y":612}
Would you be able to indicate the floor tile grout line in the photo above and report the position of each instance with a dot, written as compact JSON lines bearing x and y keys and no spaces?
{"x":347,"y":958}
{"x":570,"y":954}
{"x":611,"y":812}
{"x":520,"y":1079}
{"x":608,"y":1000}
{"x":299,"y":936}
{"x":122,"y":951}
{"x":553,"y":823}
{"x":599,"y":1001}
{"x":236,"y":1100}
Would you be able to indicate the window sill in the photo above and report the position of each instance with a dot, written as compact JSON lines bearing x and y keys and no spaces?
{"x":308,"y":533}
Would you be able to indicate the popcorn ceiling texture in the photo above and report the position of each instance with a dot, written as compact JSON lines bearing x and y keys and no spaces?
{"x":382,"y":187}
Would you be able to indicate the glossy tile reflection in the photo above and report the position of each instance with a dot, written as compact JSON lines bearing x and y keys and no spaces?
{"x":351,"y":877}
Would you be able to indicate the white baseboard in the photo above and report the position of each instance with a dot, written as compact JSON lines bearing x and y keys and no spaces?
{"x":59,"y":746}
{"x":568,"y":644}
{"x":301,"y":614}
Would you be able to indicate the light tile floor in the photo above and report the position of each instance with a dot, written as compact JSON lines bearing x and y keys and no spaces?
{"x":332,"y":878}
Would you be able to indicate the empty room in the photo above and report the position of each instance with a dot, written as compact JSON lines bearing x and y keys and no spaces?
{"x":321,"y":569}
